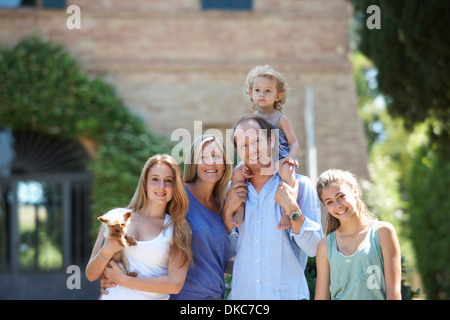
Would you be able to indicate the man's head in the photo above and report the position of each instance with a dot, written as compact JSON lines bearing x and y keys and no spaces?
{"x":254,"y":141}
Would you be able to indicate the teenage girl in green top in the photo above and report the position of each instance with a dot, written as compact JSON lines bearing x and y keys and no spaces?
{"x":360,"y":257}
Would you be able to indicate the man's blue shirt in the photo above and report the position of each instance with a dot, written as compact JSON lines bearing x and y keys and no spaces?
{"x":270,"y":263}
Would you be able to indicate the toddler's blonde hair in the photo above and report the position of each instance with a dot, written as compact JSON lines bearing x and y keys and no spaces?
{"x":268,"y":72}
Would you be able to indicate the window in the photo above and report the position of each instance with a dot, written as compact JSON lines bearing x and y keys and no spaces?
{"x":39,"y":215}
{"x":54,"y":4}
{"x":46,"y":4}
{"x":44,"y":202}
{"x":227,"y":4}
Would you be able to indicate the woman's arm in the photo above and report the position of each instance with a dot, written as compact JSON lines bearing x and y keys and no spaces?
{"x":390,"y":250}
{"x":172,"y":283}
{"x":96,"y":264}
{"x":323,"y":272}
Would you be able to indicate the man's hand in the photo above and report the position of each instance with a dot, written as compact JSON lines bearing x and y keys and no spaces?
{"x":286,"y":197}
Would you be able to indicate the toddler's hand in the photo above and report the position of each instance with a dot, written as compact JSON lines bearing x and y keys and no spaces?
{"x":290,"y":160}
{"x":246,"y":172}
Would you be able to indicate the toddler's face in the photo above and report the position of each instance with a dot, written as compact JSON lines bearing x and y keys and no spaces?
{"x":264,"y":92}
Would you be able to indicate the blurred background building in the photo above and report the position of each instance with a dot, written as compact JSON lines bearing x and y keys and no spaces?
{"x":173,"y":63}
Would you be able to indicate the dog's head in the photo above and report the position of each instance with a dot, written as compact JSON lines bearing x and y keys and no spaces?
{"x":116,"y":222}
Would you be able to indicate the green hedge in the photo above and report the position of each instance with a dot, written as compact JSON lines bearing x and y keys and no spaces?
{"x":429,"y":205}
{"x":42,"y":88}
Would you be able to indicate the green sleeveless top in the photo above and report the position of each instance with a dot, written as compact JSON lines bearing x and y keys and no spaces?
{"x":359,"y":276}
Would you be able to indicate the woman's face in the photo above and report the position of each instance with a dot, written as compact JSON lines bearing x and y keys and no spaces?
{"x":210,"y":163}
{"x":160,"y":183}
{"x":340,"y":201}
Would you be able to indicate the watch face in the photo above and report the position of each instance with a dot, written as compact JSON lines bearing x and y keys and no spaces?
{"x":294,"y":216}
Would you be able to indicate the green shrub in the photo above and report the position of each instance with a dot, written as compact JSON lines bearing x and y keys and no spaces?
{"x":43,"y":89}
{"x":429,"y":205}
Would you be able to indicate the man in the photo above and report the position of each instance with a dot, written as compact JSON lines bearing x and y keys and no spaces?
{"x":269,"y":263}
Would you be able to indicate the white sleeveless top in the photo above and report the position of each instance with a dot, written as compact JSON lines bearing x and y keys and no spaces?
{"x":149,"y":259}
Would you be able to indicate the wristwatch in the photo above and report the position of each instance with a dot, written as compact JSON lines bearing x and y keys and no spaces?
{"x":295,"y":215}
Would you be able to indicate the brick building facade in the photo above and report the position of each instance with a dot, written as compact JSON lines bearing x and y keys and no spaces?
{"x":175,"y":62}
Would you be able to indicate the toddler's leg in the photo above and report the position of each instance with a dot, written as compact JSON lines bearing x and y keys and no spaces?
{"x":239,"y":215}
{"x":287,"y":174}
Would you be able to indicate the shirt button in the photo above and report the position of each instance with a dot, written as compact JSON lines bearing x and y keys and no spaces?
{"x":257,"y":241}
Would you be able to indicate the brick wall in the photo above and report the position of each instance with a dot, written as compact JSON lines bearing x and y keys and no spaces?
{"x":173,"y":63}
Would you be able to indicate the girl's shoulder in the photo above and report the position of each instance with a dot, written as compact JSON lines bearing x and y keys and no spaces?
{"x":322,"y":252}
{"x":386,"y":233}
{"x":323,"y":243}
{"x":322,"y":247}
{"x":384,"y":228}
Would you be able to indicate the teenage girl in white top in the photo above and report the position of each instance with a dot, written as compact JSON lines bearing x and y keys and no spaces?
{"x":159,"y":225}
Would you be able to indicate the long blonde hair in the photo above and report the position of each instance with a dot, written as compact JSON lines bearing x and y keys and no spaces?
{"x":177,"y":207}
{"x":191,"y":162}
{"x":334,"y":177}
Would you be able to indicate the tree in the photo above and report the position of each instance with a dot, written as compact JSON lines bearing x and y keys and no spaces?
{"x":412,"y":54}
{"x":430,"y":224}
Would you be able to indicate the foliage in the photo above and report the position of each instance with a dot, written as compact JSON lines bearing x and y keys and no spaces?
{"x":407,"y":292}
{"x":411,"y":53}
{"x":430,"y":224}
{"x":311,"y":276}
{"x":390,"y":158}
{"x":366,"y":94}
{"x":43,"y":89}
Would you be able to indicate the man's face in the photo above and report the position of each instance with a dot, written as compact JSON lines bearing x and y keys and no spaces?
{"x":252,"y":145}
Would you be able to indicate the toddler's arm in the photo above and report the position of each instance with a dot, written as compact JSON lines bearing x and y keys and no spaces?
{"x":286,"y":126}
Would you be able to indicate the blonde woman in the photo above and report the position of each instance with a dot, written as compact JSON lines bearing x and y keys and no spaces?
{"x":158,"y":223}
{"x":360,"y":257}
{"x":207,"y":172}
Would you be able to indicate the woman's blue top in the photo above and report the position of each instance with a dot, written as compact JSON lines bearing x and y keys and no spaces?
{"x":205,"y":278}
